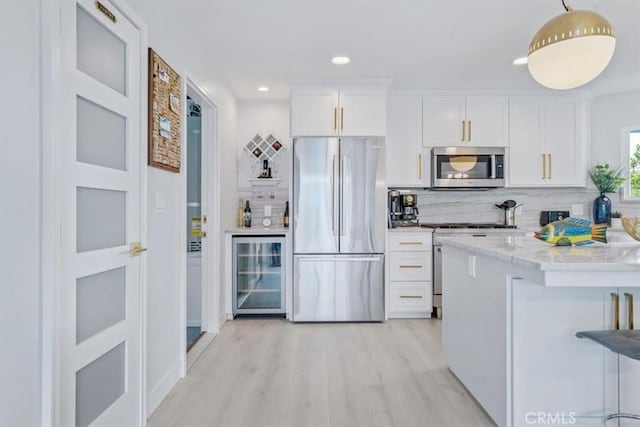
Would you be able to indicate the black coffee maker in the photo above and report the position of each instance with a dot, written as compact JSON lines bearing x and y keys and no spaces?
{"x":409,"y":207}
{"x":395,"y":206}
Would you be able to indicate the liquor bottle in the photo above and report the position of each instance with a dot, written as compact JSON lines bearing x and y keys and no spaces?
{"x":285,"y":217}
{"x":247,"y":215}
{"x":240,"y":219}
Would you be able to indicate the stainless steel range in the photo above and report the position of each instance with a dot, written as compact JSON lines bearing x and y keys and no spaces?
{"x":462,"y":229}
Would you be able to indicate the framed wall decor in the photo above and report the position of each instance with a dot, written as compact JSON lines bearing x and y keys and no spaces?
{"x":165,"y":119}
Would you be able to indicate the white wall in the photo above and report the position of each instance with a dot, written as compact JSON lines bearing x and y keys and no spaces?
{"x":164,"y":357}
{"x":263,"y":117}
{"x":20,"y":292}
{"x":608,"y":115}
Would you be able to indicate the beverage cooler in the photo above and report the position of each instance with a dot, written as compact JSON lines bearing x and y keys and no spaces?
{"x":259,"y":275}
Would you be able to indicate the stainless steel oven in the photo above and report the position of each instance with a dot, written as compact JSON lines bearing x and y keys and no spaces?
{"x":467,"y":167}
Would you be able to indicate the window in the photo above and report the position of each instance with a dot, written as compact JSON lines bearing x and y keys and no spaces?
{"x":631,"y":154}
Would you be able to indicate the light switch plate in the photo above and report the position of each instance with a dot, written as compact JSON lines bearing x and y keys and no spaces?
{"x":267,"y":210}
{"x":161,"y":202}
{"x":472,"y":266}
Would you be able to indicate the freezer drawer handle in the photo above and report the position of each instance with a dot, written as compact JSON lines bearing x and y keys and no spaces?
{"x":411,"y":296}
{"x":410,"y":243}
{"x":411,"y":266}
{"x":308,"y":259}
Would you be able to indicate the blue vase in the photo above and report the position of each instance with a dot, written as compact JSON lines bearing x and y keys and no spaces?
{"x":602,"y":210}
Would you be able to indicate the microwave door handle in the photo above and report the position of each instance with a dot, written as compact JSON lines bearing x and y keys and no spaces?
{"x":493,"y":166}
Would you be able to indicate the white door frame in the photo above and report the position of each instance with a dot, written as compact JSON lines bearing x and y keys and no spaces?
{"x":51,"y":111}
{"x":210,"y":284}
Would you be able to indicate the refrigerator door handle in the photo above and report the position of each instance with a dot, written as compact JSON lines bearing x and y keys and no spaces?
{"x":342,"y":163}
{"x":333,"y":195}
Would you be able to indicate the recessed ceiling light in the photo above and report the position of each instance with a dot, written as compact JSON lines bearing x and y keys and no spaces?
{"x":521,"y":61}
{"x":263,"y":89}
{"x":340,"y":60}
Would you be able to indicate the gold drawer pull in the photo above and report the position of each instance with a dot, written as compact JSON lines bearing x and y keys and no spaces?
{"x":615,"y":299}
{"x":629,"y":298}
{"x":411,"y":266}
{"x":411,"y":296}
{"x":410,"y":243}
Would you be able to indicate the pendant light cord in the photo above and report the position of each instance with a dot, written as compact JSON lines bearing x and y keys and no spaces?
{"x":567,"y":8}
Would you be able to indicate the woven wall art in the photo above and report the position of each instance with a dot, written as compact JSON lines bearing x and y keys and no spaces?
{"x":164,"y":114}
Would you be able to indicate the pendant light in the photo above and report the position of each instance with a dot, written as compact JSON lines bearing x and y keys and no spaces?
{"x":571,"y":49}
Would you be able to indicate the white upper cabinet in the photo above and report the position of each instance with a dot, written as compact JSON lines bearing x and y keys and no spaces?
{"x":330,"y":112}
{"x":404,"y":154}
{"x":443,"y":119}
{"x":546,"y":142}
{"x":481,"y":121}
{"x":314,"y":112}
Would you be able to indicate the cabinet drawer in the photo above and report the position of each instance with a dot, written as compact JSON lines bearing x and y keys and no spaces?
{"x":407,"y":297}
{"x":411,"y":267}
{"x":410,"y":242}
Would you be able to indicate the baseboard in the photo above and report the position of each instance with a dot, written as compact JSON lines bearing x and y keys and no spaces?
{"x":159,"y":392}
{"x":198,"y":348}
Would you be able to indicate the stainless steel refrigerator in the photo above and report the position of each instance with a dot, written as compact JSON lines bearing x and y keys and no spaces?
{"x":339,"y":221}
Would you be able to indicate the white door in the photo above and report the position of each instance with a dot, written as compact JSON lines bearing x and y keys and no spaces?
{"x":314,"y":112}
{"x":100,"y":181}
{"x":363,"y":112}
{"x":443,"y":121}
{"x":404,"y":141}
{"x":488,"y":121}
{"x":561,"y":143}
{"x":526,"y":129}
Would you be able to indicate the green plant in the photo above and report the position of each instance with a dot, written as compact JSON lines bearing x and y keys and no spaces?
{"x":606,"y":179}
{"x":616,"y":214}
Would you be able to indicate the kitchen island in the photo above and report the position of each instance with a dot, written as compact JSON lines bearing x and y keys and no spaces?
{"x":513,"y":306}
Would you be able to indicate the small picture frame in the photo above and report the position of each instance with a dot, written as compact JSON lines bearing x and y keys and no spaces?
{"x":165,"y":128}
{"x":174,"y":103}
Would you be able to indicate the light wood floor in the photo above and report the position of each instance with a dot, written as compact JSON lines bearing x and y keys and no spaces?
{"x":268,"y":372}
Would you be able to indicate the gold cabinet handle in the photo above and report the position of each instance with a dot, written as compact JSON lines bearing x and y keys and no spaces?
{"x":469,"y":133}
{"x":629,"y":298}
{"x":203,"y":235}
{"x":136,"y":249}
{"x":341,"y":118}
{"x":335,"y":118}
{"x":410,"y":243}
{"x":204,"y":219}
{"x":420,"y":166}
{"x":411,"y":266}
{"x":463,"y":132}
{"x":411,"y":296}
{"x":544,"y":167}
{"x":549,"y":161}
{"x":615,"y":299}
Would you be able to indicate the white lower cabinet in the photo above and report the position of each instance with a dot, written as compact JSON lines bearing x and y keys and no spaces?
{"x":410,"y":274}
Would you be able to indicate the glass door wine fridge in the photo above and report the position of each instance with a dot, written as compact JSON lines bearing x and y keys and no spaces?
{"x":258,"y":275}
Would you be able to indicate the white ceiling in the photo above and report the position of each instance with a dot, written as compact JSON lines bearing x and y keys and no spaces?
{"x":418,"y":44}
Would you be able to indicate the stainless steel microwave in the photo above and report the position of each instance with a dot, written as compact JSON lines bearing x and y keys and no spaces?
{"x":467,"y":167}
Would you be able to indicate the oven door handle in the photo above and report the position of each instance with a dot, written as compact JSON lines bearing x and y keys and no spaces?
{"x":493,"y":166}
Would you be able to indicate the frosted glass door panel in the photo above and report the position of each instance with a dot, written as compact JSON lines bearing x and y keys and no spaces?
{"x":102,"y":136}
{"x":100,"y":302}
{"x":99,"y":385}
{"x":101,"y":54}
{"x":101,"y":219}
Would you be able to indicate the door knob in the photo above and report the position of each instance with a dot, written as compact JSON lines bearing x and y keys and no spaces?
{"x":136,"y":249}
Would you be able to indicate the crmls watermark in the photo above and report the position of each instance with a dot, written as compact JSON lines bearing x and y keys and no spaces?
{"x":550,"y":418}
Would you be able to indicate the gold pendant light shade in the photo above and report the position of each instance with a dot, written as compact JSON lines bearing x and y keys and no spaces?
{"x":571,"y":49}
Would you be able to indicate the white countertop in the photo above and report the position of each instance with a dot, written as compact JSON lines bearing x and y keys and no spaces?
{"x":530,"y":252}
{"x":258,"y":230}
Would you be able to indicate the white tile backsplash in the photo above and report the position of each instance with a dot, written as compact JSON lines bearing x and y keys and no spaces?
{"x":478,"y":206}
